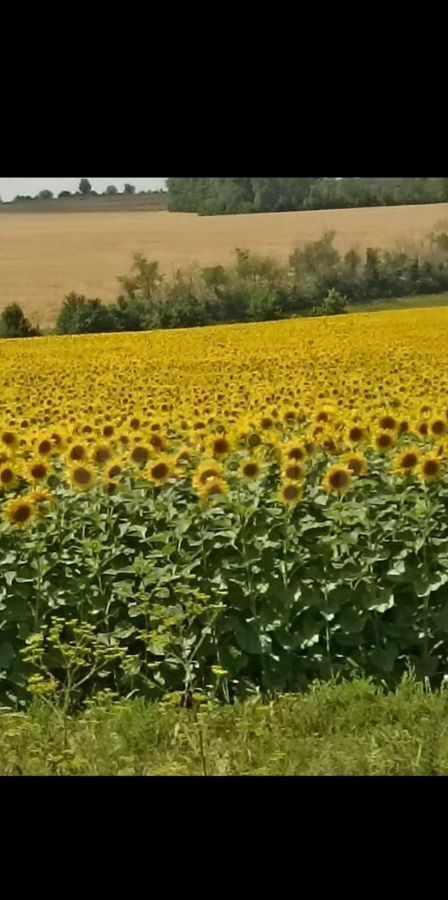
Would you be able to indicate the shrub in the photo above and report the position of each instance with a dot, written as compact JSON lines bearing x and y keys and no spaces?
{"x":14,"y":324}
{"x":80,"y":315}
{"x":333,"y":305}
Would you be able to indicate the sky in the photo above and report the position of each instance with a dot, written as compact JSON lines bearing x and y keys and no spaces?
{"x":9,"y":187}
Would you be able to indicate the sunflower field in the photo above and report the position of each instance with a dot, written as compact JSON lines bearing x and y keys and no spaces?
{"x":224,"y":510}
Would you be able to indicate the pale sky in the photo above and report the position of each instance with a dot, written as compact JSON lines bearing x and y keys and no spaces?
{"x":9,"y":187}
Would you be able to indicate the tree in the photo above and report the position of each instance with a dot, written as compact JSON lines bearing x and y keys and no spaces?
{"x":45,"y":195}
{"x":85,"y":187}
{"x":64,"y":194}
{"x":14,"y":324}
{"x":129,"y":189}
{"x":111,"y":190}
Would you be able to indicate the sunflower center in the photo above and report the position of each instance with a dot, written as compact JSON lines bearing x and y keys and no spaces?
{"x":6,"y":476}
{"x":409,"y":460}
{"x":140,"y":455}
{"x":160,"y":471}
{"x":294,"y":472}
{"x":250,"y":469}
{"x":38,"y":471}
{"x":339,"y":479}
{"x":23,"y":513}
{"x":431,"y":467}
{"x":81,"y":475}
{"x":291,"y":492}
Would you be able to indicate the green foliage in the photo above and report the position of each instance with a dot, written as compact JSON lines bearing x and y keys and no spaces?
{"x":333,"y":305}
{"x":45,"y":195}
{"x":111,"y":190}
{"x":85,"y":187}
{"x":218,"y":196}
{"x":345,"y":729}
{"x":14,"y":324}
{"x":80,"y":315}
{"x":318,"y":280}
{"x":147,"y":592}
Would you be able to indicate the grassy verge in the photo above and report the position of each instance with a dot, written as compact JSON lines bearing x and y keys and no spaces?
{"x":421,"y":301}
{"x":349,"y":729}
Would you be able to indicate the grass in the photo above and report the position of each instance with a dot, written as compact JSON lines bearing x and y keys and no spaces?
{"x":44,"y":257}
{"x":420,"y":301}
{"x":348,"y":729}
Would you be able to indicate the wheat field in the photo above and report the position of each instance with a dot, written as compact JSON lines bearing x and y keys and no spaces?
{"x":44,"y":257}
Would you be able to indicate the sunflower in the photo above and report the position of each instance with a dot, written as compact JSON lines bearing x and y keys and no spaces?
{"x":251,"y":468}
{"x":356,"y":435}
{"x":38,"y":470}
{"x":159,"y":470}
{"x":43,"y":502}
{"x":157,"y":442}
{"x":77,"y":453}
{"x":8,"y":477}
{"x":384,"y":440}
{"x":219,"y":446}
{"x":101,"y":454}
{"x":140,"y":455}
{"x":82,"y":478}
{"x":206,"y":471}
{"x":429,"y":468}
{"x":293,"y":471}
{"x":406,"y":462}
{"x":113,"y":469}
{"x":294,"y":450}
{"x":45,"y":446}
{"x":437,"y":427}
{"x":290,"y":493}
{"x":338,"y":480}
{"x":212,"y":490}
{"x":183,"y":456}
{"x":356,"y":463}
{"x":20,"y":512}
{"x":388,"y":422}
{"x":9,"y":439}
{"x":110,"y":486}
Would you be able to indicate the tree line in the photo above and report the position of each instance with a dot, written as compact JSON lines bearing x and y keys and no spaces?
{"x":220,"y":196}
{"x":316,"y":280}
{"x":84,"y":190}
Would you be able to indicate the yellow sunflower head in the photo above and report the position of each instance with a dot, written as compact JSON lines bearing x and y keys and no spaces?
{"x":38,"y":470}
{"x":159,"y":470}
{"x":213,"y":489}
{"x":20,"y":512}
{"x":356,"y":463}
{"x":338,"y":480}
{"x":251,"y":468}
{"x":293,"y":470}
{"x":219,"y":445}
{"x":430,"y":468}
{"x":407,"y":461}
{"x":290,"y":493}
{"x":206,"y":471}
{"x":82,"y":477}
{"x":384,"y":441}
{"x":140,"y":455}
{"x":113,"y":469}
{"x":8,"y":477}
{"x":101,"y":454}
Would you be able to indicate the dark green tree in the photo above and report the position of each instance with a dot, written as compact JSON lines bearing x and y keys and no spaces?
{"x":85,"y":187}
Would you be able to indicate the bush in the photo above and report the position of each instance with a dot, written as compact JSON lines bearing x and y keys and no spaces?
{"x":79,"y":315}
{"x":14,"y":324}
{"x":333,"y":305}
{"x":318,"y":281}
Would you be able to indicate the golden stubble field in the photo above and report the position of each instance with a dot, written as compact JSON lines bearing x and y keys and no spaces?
{"x":44,"y":257}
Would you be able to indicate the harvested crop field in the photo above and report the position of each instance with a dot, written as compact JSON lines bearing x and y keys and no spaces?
{"x":44,"y":257}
